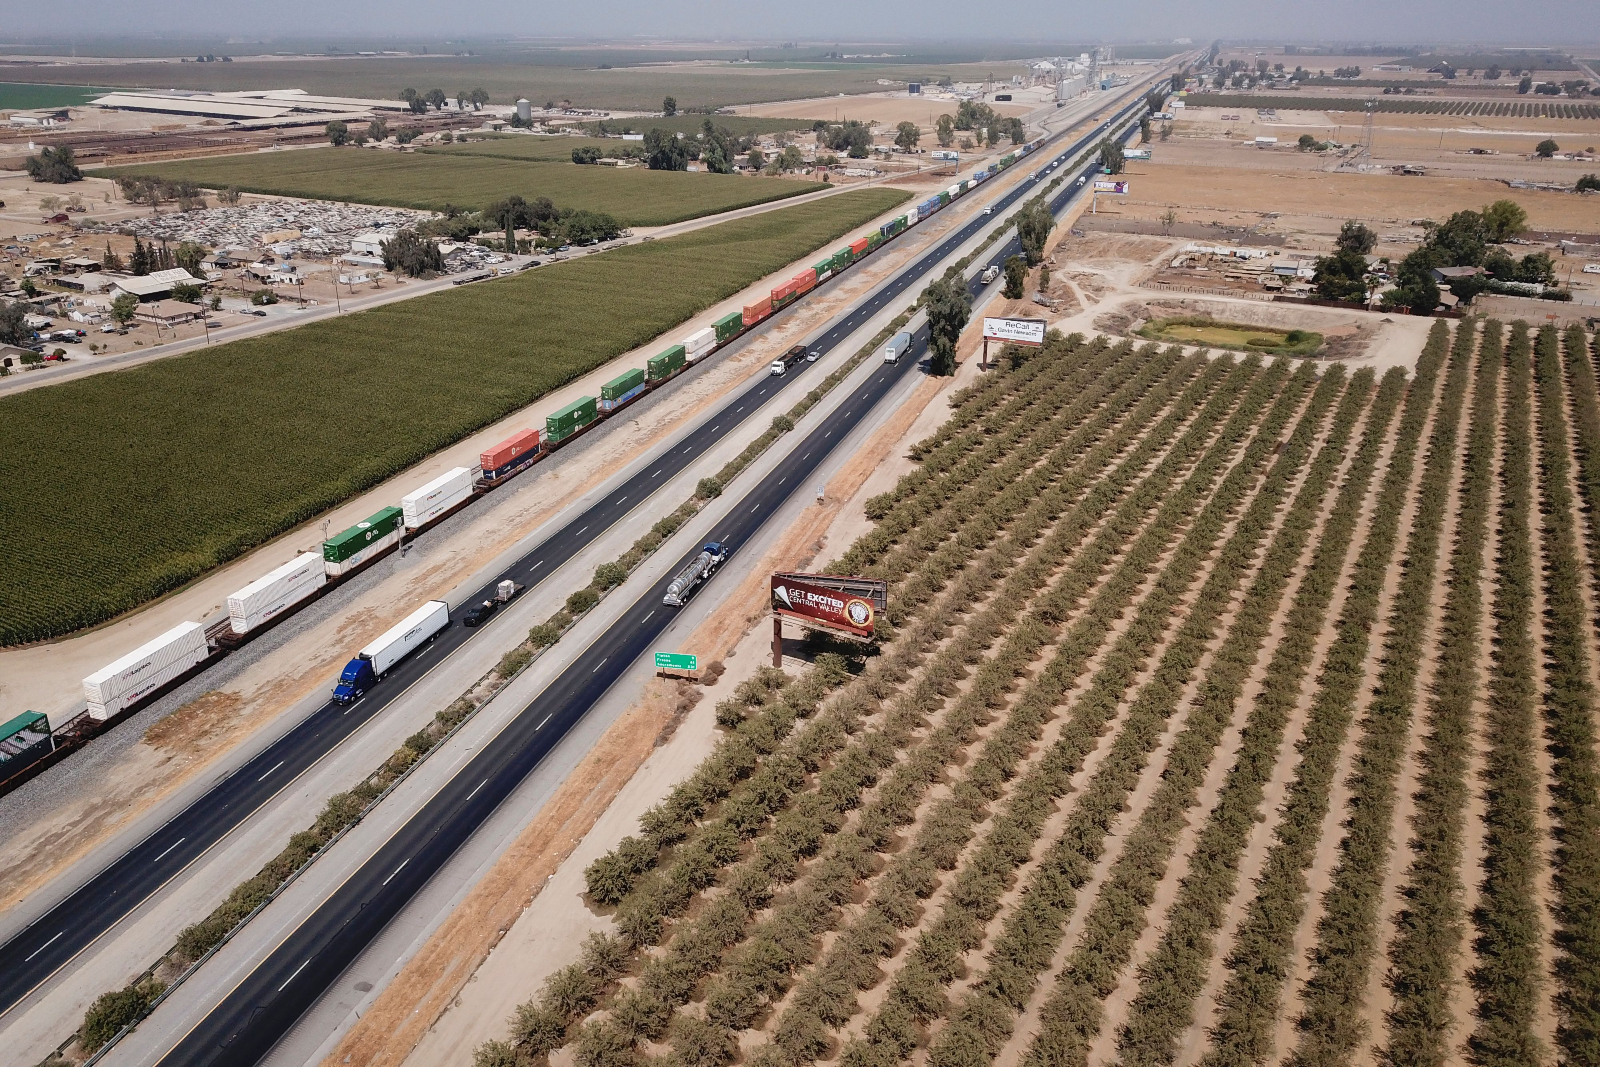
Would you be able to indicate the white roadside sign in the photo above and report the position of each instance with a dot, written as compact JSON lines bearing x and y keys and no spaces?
{"x":1014,"y":331}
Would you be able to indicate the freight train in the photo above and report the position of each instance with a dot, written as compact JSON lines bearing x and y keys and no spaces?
{"x":116,"y":689}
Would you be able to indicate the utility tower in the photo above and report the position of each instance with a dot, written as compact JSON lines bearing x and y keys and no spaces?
{"x":1363,"y":152}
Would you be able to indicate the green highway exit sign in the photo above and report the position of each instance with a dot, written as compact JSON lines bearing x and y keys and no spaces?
{"x":674,"y":661}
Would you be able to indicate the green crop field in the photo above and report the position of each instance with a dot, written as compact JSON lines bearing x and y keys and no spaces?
{"x":1234,"y":335}
{"x":535,"y":149}
{"x":119,"y":487}
{"x":24,"y":95}
{"x":432,"y":180}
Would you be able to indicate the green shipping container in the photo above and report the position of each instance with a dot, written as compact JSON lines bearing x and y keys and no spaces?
{"x":824,"y":268}
{"x":944,"y":199}
{"x":843,"y":258}
{"x":874,"y":239}
{"x":621,"y":384}
{"x":570,"y":419}
{"x":663,"y":365}
{"x":342,"y":546}
{"x":728,"y":326}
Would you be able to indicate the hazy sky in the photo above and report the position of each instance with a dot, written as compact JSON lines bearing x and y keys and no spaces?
{"x":1441,"y":21}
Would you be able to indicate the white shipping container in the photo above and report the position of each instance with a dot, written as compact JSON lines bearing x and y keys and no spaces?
{"x":437,"y":497}
{"x":699,"y":341}
{"x":144,"y":670}
{"x":334,"y":570}
{"x":276,"y":591}
{"x":407,"y":635}
{"x":911,"y":216}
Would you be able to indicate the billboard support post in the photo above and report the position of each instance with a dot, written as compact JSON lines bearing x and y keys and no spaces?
{"x":777,"y":641}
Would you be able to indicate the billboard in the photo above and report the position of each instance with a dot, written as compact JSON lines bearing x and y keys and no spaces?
{"x":946,"y":155}
{"x":850,"y":605}
{"x":1014,"y":331}
{"x":1136,"y":153}
{"x":1106,"y":187}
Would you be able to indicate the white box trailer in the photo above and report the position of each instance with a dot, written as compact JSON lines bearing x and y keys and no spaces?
{"x":896,"y":346}
{"x":276,"y":592}
{"x":437,"y":497}
{"x":122,"y":684}
{"x":405,"y":636}
{"x":699,"y":343}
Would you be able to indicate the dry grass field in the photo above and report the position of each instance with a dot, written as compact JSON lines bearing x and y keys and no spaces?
{"x":1232,"y":713}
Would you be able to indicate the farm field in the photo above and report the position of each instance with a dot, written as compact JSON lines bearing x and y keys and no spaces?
{"x":431,"y":181}
{"x":187,"y":462}
{"x":21,"y":95}
{"x":1519,"y":108}
{"x":1233,"y":713}
{"x":534,"y":149}
{"x":1233,"y":335}
{"x":634,"y":88}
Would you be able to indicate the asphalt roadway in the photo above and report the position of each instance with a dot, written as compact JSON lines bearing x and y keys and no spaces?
{"x":254,"y":1015}
{"x":267,"y":1004}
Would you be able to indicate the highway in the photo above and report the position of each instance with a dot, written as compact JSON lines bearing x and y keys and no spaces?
{"x":256,"y":1013}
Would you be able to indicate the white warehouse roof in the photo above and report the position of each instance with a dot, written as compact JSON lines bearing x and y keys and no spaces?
{"x":203,"y":105}
{"x":303,"y":101}
{"x":257,"y":104}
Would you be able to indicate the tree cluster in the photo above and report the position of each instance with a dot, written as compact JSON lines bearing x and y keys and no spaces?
{"x":1035,"y":223}
{"x":1112,"y":159}
{"x":54,"y":166}
{"x":949,"y":306}
{"x":852,"y":137}
{"x":157,"y":191}
{"x":413,"y":254}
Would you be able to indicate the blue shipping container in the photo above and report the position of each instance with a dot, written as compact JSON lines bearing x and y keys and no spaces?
{"x":612,"y":405}
{"x":516,"y":466}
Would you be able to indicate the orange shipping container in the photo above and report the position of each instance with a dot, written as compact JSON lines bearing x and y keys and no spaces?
{"x":512,"y":447}
{"x":858,"y":247}
{"x":754,"y":313}
{"x":805,"y":281}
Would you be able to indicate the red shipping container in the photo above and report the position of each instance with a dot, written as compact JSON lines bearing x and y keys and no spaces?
{"x":805,"y":281}
{"x":858,"y":247}
{"x":520,"y":444}
{"x":754,"y":313}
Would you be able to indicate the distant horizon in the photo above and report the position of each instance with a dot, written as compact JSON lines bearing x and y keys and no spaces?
{"x":1472,"y":23}
{"x":323,"y":43}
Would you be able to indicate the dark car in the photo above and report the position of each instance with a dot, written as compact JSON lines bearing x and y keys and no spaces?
{"x":479,"y":614}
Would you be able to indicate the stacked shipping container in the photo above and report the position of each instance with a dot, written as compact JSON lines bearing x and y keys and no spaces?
{"x":276,"y":592}
{"x":621,"y":389}
{"x":437,"y":497}
{"x":511,"y":455}
{"x":361,"y":543}
{"x":144,"y":670}
{"x":570,"y":419}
